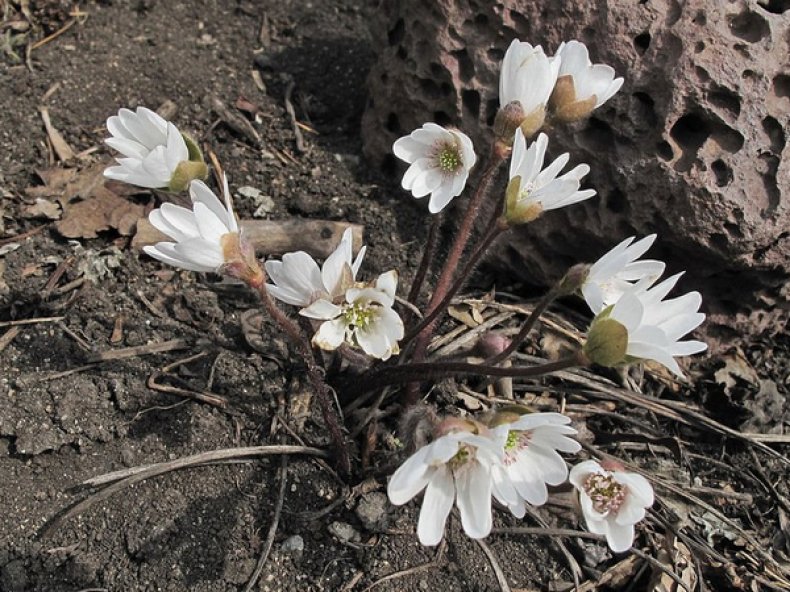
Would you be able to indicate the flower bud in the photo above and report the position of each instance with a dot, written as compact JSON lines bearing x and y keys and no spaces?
{"x":573,"y":280}
{"x":507,"y":121}
{"x":492,"y":343}
{"x":607,"y":341}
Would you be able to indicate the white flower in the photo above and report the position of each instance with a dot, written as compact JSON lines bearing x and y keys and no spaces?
{"x":596,"y":82}
{"x":365,"y":319}
{"x":440,"y":161}
{"x":531,"y":459}
{"x":527,"y":76}
{"x":453,"y":468}
{"x":534,"y":189}
{"x":612,"y":502}
{"x":206,"y":237}
{"x":650,"y":326}
{"x":155,"y":153}
{"x":299,"y":281}
{"x":617,"y":271}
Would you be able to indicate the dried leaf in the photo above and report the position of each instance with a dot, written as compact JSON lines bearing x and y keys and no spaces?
{"x":736,"y":367}
{"x":42,"y":208}
{"x":677,"y":559}
{"x":59,"y":144}
{"x":103,"y":210}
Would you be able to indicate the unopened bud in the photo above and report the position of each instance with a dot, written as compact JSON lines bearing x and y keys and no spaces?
{"x":612,"y":465}
{"x":416,"y":427}
{"x":492,"y":343}
{"x":573,"y":280}
{"x":607,"y":342}
{"x":508,"y":414}
{"x":507,"y":121}
{"x":451,"y":425}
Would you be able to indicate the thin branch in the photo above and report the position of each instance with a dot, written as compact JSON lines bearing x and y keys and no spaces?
{"x":500,"y":575}
{"x":125,"y":478}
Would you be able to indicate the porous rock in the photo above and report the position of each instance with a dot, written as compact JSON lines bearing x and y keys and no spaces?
{"x":693,"y":147}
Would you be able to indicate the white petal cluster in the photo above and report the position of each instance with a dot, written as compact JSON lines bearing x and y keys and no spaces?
{"x":151,"y":148}
{"x":618,"y":271}
{"x":454,"y":468}
{"x":364,"y":318}
{"x":534,"y":189}
{"x":201,"y":235}
{"x":531,"y":459}
{"x":299,"y":281}
{"x":612,"y":502}
{"x":655,"y":325}
{"x":440,"y":161}
{"x":513,"y":462}
{"x":588,"y":80}
{"x":527,"y":76}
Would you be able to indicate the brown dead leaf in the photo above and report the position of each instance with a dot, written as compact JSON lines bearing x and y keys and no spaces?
{"x":676,"y":558}
{"x":102,"y":210}
{"x":736,"y":367}
{"x":59,"y":144}
{"x":42,"y":208}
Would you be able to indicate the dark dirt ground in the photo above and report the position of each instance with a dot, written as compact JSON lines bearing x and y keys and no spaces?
{"x":203,"y":529}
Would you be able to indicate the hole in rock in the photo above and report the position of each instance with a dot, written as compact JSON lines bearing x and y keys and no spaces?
{"x":733,"y":229}
{"x":617,"y":202}
{"x":597,"y":137}
{"x":393,"y":123}
{"x":690,"y":133}
{"x":726,"y":99}
{"x":722,"y":172}
{"x":770,"y":168}
{"x":644,"y":109}
{"x":699,"y":46}
{"x":781,"y":84}
{"x":775,"y":6}
{"x":749,"y":26}
{"x":700,"y":19}
{"x":430,"y":89}
{"x":664,"y":151}
{"x":389,"y":165}
{"x":642,"y":42}
{"x":492,"y":106}
{"x":466,"y":67}
{"x":442,"y":118}
{"x":395,"y":35}
{"x":776,"y":135}
{"x":471,"y":102}
{"x":401,"y":53}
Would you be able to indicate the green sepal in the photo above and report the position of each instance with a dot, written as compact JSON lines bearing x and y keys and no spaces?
{"x":607,"y":341}
{"x":186,"y":172}
{"x":194,"y":151}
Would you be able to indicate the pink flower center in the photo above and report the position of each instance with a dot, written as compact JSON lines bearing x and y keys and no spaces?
{"x":515,"y":443}
{"x":607,"y":495}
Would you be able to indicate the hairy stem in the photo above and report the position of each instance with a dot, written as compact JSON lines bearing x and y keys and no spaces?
{"x":493,"y":232}
{"x":496,"y":157}
{"x":315,"y":375}
{"x":438,"y":370}
{"x":427,"y":257}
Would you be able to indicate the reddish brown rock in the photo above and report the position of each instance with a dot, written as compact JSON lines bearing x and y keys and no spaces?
{"x":694,"y":146}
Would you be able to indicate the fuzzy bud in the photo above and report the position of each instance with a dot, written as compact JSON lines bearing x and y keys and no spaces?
{"x":607,"y":342}
{"x":507,"y":121}
{"x":573,"y":280}
{"x":186,"y":172}
{"x":417,"y":426}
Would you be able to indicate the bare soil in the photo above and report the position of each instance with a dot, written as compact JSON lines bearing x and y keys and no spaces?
{"x":203,"y":529}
